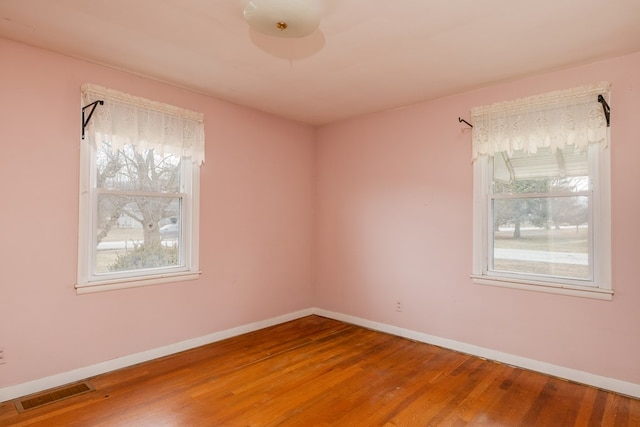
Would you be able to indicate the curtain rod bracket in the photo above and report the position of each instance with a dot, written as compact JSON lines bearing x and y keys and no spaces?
{"x":607,"y":110}
{"x":461,"y":120}
{"x":85,"y":122}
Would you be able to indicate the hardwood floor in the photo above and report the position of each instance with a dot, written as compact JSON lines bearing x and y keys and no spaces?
{"x":320,"y":372}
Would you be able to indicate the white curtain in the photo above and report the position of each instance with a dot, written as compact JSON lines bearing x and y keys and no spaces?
{"x":127,"y":119}
{"x":555,"y":120}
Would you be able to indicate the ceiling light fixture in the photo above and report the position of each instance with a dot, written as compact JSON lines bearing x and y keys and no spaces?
{"x":283,"y":18}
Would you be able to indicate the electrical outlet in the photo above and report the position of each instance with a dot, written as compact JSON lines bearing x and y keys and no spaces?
{"x":398,"y":305}
{"x":2,"y":358}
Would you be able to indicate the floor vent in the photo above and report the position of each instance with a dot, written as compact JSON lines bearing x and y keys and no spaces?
{"x":53,"y":395}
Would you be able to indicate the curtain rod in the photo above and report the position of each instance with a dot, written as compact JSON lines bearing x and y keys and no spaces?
{"x":461,"y":120}
{"x":605,"y":108}
{"x":86,"y":122}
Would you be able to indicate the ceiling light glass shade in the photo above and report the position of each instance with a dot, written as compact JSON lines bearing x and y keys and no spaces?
{"x":283,"y":18}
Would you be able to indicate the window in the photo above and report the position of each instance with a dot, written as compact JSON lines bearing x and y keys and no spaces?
{"x":541,"y":194}
{"x":139,"y":189}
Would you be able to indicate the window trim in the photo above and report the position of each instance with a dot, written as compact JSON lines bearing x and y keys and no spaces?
{"x":88,"y":282}
{"x":601,"y":285}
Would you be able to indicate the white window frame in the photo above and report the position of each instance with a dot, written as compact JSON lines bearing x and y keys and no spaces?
{"x":88,"y":281}
{"x":600,"y":287}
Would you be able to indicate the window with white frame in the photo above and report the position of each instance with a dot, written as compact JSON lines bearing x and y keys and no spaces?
{"x":542,"y":193}
{"x":139,"y":190}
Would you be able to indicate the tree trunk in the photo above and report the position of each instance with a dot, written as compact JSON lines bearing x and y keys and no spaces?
{"x":151,"y":233}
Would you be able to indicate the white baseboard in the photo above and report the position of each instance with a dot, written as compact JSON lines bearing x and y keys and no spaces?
{"x":57,"y":380}
{"x":606,"y":383}
{"x":612,"y":384}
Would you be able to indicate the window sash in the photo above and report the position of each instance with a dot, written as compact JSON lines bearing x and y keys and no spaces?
{"x":181,"y":264}
{"x":587,"y":280}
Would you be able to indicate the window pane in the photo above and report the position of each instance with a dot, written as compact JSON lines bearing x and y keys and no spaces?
{"x":543,"y":185}
{"x":126,"y":170}
{"x":565,"y":170}
{"x":542,"y":236}
{"x":135,"y":233}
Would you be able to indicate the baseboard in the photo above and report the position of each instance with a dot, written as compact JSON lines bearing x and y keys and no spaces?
{"x":57,"y":380}
{"x":606,"y":383}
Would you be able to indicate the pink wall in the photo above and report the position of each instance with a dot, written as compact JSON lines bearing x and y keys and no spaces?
{"x":257,"y":201}
{"x":394,"y":222}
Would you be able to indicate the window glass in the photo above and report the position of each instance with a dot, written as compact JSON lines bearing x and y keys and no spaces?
{"x":540,"y":215}
{"x":138,"y":223}
{"x":137,"y":232}
{"x":529,"y":238}
{"x":129,"y":170}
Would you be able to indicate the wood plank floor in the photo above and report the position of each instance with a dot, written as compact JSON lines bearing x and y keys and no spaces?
{"x":320,"y":372}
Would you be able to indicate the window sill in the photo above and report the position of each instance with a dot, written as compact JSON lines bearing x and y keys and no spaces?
{"x":111,"y":285}
{"x":546,"y":287}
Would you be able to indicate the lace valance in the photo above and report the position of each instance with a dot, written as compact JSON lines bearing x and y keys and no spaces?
{"x":555,"y":120}
{"x":127,"y":119}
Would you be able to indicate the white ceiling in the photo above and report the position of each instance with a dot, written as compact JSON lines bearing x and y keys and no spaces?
{"x":367,"y":56}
